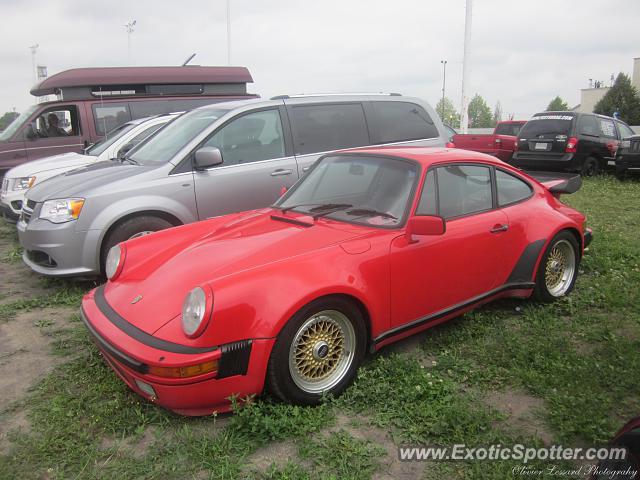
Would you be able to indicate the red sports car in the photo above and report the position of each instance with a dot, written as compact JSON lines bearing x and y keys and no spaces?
{"x":371,"y":246}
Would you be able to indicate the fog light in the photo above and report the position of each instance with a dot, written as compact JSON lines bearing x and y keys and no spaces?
{"x":146,"y":388}
{"x":184,"y":372}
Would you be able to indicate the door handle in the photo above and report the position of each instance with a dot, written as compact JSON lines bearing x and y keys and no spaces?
{"x":497,"y":228}
{"x":306,"y":169}
{"x":281,"y":172}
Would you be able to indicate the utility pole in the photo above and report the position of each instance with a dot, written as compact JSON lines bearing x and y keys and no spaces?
{"x":444,"y":83}
{"x":129,"y":27}
{"x":34,"y":70}
{"x":466,"y":73}
{"x":229,"y":32}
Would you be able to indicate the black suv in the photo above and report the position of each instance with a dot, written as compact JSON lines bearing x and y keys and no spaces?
{"x":578,"y":142}
{"x":628,"y":157}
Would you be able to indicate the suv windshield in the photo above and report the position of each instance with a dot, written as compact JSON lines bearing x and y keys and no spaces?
{"x":547,"y":125}
{"x":13,"y":127}
{"x":175,"y":136}
{"x":118,"y":132}
{"x":355,"y":188}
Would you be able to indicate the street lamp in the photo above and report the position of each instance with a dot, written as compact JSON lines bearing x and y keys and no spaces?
{"x":129,"y":27}
{"x":466,"y":70}
{"x":444,"y":83}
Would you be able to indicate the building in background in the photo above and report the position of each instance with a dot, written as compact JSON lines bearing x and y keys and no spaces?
{"x":592,"y":95}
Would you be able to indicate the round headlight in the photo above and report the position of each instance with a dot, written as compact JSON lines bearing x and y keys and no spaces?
{"x":112,"y":265}
{"x":194,"y":312}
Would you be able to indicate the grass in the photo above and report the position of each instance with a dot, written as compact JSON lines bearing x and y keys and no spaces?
{"x":578,"y":357}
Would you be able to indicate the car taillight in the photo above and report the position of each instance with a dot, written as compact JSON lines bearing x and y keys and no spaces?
{"x":498,"y":141}
{"x":572,"y":145}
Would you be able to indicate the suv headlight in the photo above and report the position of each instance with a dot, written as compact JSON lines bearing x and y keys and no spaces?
{"x":625,"y":144}
{"x":196,"y":311}
{"x":60,"y":211}
{"x":24,"y":183}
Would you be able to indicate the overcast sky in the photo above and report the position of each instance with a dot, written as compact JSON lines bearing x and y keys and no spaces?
{"x":524,"y":52}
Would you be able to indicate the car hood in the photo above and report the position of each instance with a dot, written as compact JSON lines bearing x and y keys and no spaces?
{"x":79,"y":182}
{"x":55,"y":162}
{"x":249,"y":241}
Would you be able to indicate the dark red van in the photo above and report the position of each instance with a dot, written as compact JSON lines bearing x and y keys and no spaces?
{"x":92,"y":101}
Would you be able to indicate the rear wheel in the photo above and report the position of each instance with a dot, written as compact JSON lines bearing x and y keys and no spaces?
{"x":590,"y":167}
{"x":317,"y":352}
{"x":131,"y":228}
{"x":558,"y":269}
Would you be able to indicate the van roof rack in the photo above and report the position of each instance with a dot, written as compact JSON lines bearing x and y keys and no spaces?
{"x":140,"y":81}
{"x":303,"y":95}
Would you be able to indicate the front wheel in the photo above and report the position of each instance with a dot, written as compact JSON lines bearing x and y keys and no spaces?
{"x":558,"y":269}
{"x":317,"y":352}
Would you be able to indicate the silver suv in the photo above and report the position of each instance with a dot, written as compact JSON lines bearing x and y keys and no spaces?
{"x":218,"y":159}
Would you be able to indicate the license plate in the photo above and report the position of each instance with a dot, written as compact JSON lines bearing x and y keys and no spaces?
{"x":540,"y":146}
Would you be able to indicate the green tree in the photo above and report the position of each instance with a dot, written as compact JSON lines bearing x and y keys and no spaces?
{"x":557,"y":105}
{"x":6,"y":119}
{"x":448,"y":113}
{"x":497,"y":113}
{"x":479,"y":113}
{"x":622,"y":98}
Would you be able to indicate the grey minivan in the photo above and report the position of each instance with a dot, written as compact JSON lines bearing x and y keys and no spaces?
{"x":214,"y":160}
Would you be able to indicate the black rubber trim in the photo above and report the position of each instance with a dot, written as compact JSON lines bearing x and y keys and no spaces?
{"x":111,"y":350}
{"x":141,"y":335}
{"x":449,"y":311}
{"x":291,"y":220}
{"x":588,"y":237}
{"x":523,"y":271}
{"x":235,"y":359}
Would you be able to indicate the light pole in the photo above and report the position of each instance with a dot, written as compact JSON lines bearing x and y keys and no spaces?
{"x":129,"y":27}
{"x":34,"y":71}
{"x":444,"y":84}
{"x":229,"y":32}
{"x":464,"y":114}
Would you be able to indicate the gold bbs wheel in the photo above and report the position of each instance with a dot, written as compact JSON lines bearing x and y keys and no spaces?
{"x":322,"y":351}
{"x":560,"y":268}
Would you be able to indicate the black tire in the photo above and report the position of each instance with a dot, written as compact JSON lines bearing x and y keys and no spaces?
{"x":542,"y":290}
{"x":280,"y":381}
{"x":129,"y":228}
{"x":590,"y":167}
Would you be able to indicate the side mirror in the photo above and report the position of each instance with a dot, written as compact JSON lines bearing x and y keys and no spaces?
{"x":425,"y":225}
{"x":124,"y":150}
{"x":207,"y":157}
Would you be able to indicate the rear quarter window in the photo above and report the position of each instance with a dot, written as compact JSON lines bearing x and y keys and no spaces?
{"x":403,"y":121}
{"x":511,"y":189}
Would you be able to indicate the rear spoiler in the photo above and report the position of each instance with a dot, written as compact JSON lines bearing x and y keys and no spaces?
{"x":558,"y":183}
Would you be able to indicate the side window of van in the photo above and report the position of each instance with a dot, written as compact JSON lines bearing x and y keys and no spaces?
{"x":607,"y":128}
{"x":589,"y":126}
{"x":403,"y":121}
{"x":110,"y":115}
{"x":250,"y":138}
{"x":625,"y":131}
{"x":322,"y":128}
{"x":60,"y":121}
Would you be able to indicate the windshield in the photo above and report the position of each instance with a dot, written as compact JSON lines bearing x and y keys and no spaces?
{"x":109,"y":139}
{"x":355,"y":188}
{"x":175,"y":136}
{"x":13,"y":127}
{"x":546,"y":125}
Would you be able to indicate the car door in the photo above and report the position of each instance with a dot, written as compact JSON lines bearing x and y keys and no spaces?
{"x":436,"y":273}
{"x":608,"y":140}
{"x":257,"y":165}
{"x":323,"y":127}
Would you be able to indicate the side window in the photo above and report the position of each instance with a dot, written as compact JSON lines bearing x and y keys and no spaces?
{"x":148,"y":108}
{"x":625,"y":132}
{"x":143,"y":135}
{"x":250,"y":138}
{"x":589,"y":126}
{"x":403,"y":121}
{"x":110,"y":115}
{"x":464,"y":189}
{"x":428,"y":200}
{"x":510,"y":189}
{"x":322,"y":128}
{"x":607,"y":128}
{"x":60,"y":121}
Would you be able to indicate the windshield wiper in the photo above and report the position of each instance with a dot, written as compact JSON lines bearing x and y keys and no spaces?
{"x":129,"y":160}
{"x":319,"y":207}
{"x":369,"y":212}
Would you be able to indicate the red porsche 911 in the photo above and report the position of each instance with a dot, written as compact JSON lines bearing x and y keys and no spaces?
{"x":371,"y":246}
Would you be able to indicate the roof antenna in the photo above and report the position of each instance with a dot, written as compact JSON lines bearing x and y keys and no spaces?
{"x":188,"y":59}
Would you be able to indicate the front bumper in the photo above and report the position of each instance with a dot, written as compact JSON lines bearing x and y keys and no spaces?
{"x":58,"y":250}
{"x":11,"y":204}
{"x":628,"y":162}
{"x":8,"y":214}
{"x":588,"y":237}
{"x":241,"y":371}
